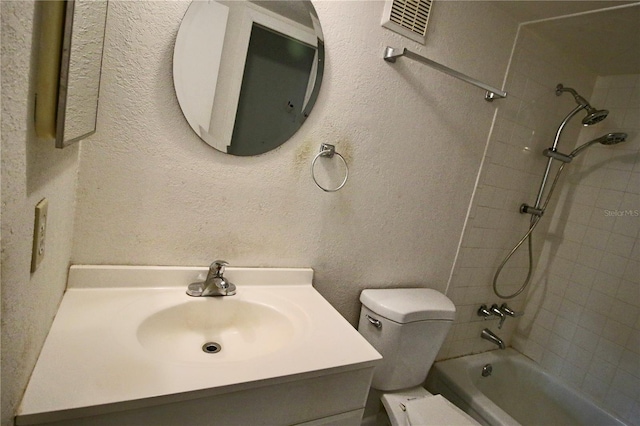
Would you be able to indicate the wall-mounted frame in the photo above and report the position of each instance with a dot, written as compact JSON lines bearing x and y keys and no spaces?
{"x":69,"y":69}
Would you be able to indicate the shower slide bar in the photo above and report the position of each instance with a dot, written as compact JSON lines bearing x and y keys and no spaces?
{"x":391,"y":54}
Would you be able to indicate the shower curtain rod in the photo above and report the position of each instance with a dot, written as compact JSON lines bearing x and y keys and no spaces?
{"x":390,"y":55}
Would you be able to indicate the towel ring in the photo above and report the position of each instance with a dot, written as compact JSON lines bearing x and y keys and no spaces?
{"x":328,"y":150}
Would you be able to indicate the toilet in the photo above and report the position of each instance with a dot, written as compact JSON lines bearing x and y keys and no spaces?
{"x":407,"y":326}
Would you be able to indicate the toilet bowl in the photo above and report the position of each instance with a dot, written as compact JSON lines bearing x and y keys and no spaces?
{"x":407,"y":326}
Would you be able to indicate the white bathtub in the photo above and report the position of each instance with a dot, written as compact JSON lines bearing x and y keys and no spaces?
{"x":518,"y":392}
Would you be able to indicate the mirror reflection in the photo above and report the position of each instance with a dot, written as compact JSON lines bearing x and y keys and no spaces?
{"x":247,"y":73}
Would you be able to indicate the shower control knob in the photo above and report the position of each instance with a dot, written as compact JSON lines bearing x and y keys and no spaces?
{"x":484,"y":312}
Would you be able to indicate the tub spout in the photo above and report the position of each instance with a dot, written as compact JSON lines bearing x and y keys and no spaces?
{"x":490,"y":336}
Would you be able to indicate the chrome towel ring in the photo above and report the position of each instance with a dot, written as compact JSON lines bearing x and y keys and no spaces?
{"x":328,"y":151}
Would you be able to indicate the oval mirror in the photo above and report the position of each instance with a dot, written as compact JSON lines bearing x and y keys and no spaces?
{"x":247,"y":73}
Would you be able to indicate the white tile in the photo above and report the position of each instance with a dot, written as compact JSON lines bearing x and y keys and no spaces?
{"x":632,"y":271}
{"x":602,"y":370}
{"x":586,"y":195}
{"x":558,"y":345}
{"x":618,"y":97}
{"x":589,"y":256}
{"x":585,"y":339}
{"x":552,"y":362}
{"x":609,"y":199}
{"x":579,"y":358}
{"x":624,"y":312}
{"x":577,"y":294}
{"x":539,"y":335}
{"x":626,"y":383}
{"x":574,"y":231}
{"x":565,"y":327}
{"x":600,"y":219}
{"x":629,"y":292}
{"x":631,"y":203}
{"x":584,"y":275}
{"x":634,"y":182}
{"x":632,"y":119}
{"x":621,"y":245}
{"x":616,"y":179}
{"x":593,"y":321}
{"x":626,"y":81}
{"x":613,"y":264}
{"x":633,"y":343}
{"x":534,"y":351}
{"x":608,"y":350}
{"x":630,"y":362}
{"x":599,"y":302}
{"x":606,"y":284}
{"x":572,"y":375}
{"x":625,"y":225}
{"x":617,"y":332}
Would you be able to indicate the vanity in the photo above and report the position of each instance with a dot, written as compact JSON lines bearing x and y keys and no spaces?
{"x":128,"y":346}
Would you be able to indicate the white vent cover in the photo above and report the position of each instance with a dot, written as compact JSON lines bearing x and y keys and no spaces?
{"x":407,"y":17}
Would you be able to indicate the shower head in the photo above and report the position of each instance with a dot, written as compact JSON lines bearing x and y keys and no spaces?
{"x":593,"y":115}
{"x":608,"y":139}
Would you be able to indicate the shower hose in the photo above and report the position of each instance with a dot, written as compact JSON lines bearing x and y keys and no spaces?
{"x":535,"y":219}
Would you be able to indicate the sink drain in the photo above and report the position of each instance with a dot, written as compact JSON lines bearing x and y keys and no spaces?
{"x":212,"y":347}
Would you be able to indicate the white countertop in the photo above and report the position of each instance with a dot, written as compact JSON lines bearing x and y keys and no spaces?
{"x":92,"y":361}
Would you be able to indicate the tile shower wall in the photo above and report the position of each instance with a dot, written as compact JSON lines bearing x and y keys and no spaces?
{"x":525,"y":124}
{"x":583,"y":320}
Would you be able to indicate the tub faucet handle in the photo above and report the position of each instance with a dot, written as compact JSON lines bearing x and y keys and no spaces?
{"x":497,"y":312}
{"x":510,"y":312}
{"x":484,"y":312}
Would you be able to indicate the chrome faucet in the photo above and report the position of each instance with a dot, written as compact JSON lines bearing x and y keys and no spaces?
{"x":490,"y":336}
{"x":501,"y":312}
{"x":498,"y":312}
{"x":510,"y":312}
{"x":215,"y":284}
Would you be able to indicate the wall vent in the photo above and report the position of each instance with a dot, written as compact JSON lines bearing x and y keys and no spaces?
{"x":407,"y":17}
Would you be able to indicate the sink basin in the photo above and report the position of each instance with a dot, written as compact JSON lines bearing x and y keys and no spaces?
{"x":216,"y":329}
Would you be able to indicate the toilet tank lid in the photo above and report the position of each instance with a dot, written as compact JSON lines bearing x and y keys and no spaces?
{"x":405,"y":305}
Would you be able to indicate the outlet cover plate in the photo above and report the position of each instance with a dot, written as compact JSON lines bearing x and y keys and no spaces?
{"x":39,"y":233}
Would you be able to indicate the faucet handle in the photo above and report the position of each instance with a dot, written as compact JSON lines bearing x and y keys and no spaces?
{"x":484,"y":312}
{"x":217,"y":267}
{"x":508,"y":311}
{"x":496,"y":311}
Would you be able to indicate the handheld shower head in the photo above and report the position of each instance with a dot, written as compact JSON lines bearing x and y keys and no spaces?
{"x":593,"y":115}
{"x":608,"y":139}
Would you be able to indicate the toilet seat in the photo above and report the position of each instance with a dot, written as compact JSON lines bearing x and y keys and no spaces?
{"x":416,"y":406}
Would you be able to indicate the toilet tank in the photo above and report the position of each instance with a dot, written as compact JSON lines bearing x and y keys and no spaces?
{"x":407,"y":326}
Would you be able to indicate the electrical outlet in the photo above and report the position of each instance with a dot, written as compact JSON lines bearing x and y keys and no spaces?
{"x":39,"y":233}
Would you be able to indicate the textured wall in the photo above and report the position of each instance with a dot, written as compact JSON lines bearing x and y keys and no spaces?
{"x":150,"y":192}
{"x":583,"y":320}
{"x":31,"y":169}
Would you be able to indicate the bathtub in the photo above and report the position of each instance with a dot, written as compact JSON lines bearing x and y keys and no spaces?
{"x":518,"y":392}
